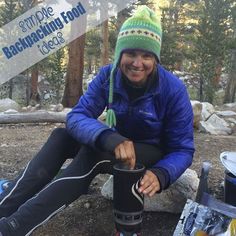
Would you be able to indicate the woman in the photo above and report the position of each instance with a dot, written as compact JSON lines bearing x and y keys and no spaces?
{"x":149,"y":120}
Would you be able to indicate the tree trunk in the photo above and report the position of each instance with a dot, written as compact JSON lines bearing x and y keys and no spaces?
{"x":105,"y":51}
{"x":74,"y":77}
{"x":89,"y":64}
{"x":121,"y":17}
{"x":33,"y":117}
{"x":231,"y":84}
{"x":27,"y":89}
{"x":34,"y":96}
{"x":105,"y":35}
{"x":75,"y":68}
{"x":218,"y":71}
{"x":201,"y":90}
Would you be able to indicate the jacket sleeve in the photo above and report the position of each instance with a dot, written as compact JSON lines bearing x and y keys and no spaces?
{"x":82,"y":121}
{"x":178,"y":142}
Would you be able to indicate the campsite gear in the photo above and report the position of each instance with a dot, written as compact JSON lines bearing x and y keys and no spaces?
{"x":230,"y":188}
{"x":127,"y":201}
{"x":211,"y":217}
{"x":228,"y":159}
{"x":203,"y":184}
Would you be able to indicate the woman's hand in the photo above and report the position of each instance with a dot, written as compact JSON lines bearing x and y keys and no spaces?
{"x":149,"y":184}
{"x":126,"y":153}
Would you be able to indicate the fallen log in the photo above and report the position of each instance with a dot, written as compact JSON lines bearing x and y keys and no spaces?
{"x":33,"y":117}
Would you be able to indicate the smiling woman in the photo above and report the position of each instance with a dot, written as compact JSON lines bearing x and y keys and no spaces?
{"x":150,"y":122}
{"x":137,"y":66}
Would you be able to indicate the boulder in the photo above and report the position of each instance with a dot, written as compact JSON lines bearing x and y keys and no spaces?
{"x":215,"y":125}
{"x":226,"y":113}
{"x":207,"y":110}
{"x":171,"y":200}
{"x":57,"y":108}
{"x":174,"y":198}
{"x":231,"y":121}
{"x":197,"y":111}
{"x":232,"y":106}
{"x":7,"y":104}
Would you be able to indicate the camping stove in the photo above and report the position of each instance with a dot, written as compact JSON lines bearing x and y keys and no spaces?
{"x":127,"y":201}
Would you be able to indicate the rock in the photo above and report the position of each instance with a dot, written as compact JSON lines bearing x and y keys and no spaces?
{"x":207,"y":110}
{"x":24,"y":109}
{"x":197,"y":111}
{"x":217,"y":121}
{"x":173,"y":199}
{"x":232,"y":121}
{"x":59,"y":107}
{"x":52,"y":107}
{"x":7,"y":103}
{"x":215,"y":125}
{"x":230,"y":105}
{"x":33,"y":109}
{"x":3,"y":145}
{"x":47,"y":96}
{"x":10,"y":111}
{"x":226,"y":113}
{"x":29,"y":108}
{"x":170,"y":200}
{"x":37,"y":106}
{"x":107,"y":188}
{"x":87,"y":205}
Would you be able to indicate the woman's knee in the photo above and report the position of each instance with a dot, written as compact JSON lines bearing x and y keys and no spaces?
{"x":60,"y":133}
{"x":62,"y":138}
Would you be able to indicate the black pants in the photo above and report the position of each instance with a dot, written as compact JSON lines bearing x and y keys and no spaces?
{"x":35,"y":196}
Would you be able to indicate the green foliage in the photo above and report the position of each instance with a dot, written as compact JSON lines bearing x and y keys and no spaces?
{"x":177,"y":34}
{"x":211,"y":43}
{"x":8,"y":11}
{"x":92,"y":49}
{"x":55,"y":69}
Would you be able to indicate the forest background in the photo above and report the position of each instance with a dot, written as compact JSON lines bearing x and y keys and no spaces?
{"x":199,"y":39}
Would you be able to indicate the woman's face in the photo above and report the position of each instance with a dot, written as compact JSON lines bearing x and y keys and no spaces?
{"x":137,"y":66}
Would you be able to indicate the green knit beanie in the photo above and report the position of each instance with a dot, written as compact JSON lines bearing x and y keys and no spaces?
{"x":141,"y":31}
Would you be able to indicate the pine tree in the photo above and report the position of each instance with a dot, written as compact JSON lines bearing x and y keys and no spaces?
{"x":211,"y":44}
{"x":56,"y":70}
{"x":177,"y":33}
{"x":8,"y":11}
{"x":231,"y":69}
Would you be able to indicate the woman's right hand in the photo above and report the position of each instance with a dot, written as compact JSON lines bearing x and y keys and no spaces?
{"x":126,"y":153}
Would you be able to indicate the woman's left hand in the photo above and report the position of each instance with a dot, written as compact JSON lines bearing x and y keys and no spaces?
{"x":149,"y":184}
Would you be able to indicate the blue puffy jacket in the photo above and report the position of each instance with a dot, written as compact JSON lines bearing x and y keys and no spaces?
{"x":162,"y":116}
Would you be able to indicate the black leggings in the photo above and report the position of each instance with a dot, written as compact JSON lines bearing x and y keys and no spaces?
{"x":35,"y":196}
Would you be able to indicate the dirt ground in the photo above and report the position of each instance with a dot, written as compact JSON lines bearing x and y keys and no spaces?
{"x":91,"y":215}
